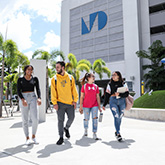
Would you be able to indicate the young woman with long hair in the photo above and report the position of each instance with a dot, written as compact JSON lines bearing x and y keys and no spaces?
{"x":90,"y":102}
{"x":28,"y":101}
{"x":117,"y":100}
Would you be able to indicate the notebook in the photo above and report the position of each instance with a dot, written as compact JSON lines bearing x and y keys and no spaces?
{"x":121,"y":90}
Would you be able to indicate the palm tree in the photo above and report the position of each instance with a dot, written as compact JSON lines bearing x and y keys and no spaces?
{"x":50,"y":59}
{"x":8,"y":48}
{"x":100,"y":68}
{"x":155,"y":77}
{"x":73,"y":67}
{"x":21,"y":61}
{"x":10,"y":59}
{"x":9,"y":79}
{"x":2,"y":71}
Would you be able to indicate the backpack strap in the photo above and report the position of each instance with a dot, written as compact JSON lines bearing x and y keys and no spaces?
{"x":70,"y":77}
{"x":84,"y":87}
{"x":96,"y":86}
{"x":55,"y":78}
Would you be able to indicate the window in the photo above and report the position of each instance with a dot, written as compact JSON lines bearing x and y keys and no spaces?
{"x":157,"y":29}
{"x":129,"y":84}
{"x":157,"y":8}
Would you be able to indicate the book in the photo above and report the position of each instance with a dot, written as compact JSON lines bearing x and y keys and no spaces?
{"x":121,"y":90}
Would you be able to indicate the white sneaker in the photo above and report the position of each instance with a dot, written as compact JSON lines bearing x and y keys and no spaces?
{"x":35,"y":141}
{"x":95,"y":136}
{"x":86,"y":132}
{"x":27,"y":142}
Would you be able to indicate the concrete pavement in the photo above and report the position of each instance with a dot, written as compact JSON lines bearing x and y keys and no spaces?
{"x":144,"y":143}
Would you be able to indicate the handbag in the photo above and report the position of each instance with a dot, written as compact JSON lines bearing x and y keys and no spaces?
{"x":129,"y":102}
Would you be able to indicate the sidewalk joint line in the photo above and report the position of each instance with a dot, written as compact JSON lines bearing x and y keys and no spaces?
{"x":9,"y":154}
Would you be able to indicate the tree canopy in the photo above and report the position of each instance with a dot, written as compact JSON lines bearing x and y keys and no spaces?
{"x":155,"y":78}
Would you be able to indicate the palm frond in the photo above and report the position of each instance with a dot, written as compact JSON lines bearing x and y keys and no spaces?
{"x":98,"y":63}
{"x":37,"y":53}
{"x":82,"y":67}
{"x":72,"y":59}
{"x":68,"y":66}
{"x":84,"y":61}
{"x":57,"y":53}
{"x":16,"y":76}
{"x":1,"y":41}
{"x":107,"y":71}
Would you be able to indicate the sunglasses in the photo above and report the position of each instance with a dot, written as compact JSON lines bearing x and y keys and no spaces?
{"x":114,"y":75}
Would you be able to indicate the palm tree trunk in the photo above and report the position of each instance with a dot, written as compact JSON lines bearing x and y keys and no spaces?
{"x":47,"y":91}
{"x":8,"y":85}
{"x":10,"y":94}
{"x":2,"y":79}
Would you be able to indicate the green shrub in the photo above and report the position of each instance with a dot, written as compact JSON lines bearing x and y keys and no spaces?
{"x":155,"y":100}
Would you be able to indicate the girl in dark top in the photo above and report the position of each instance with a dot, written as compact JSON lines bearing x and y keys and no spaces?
{"x":117,"y":105}
{"x":28,"y":101}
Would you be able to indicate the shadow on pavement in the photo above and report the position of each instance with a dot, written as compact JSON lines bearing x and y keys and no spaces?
{"x":19,"y":124}
{"x":120,"y":145}
{"x":53,"y":148}
{"x":85,"y":141}
{"x":15,"y":150}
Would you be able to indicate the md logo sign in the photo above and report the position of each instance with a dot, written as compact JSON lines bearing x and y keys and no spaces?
{"x":102,"y":21}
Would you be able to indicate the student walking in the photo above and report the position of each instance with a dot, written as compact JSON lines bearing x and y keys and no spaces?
{"x":64,"y":97}
{"x":117,"y":100}
{"x":28,"y":101}
{"x":90,"y":103}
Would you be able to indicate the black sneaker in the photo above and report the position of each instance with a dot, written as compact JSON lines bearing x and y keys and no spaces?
{"x":67,"y":133}
{"x":60,"y":141}
{"x":116,"y":134}
{"x":119,"y":138}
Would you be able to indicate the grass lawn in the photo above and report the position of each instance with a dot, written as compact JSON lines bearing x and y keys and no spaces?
{"x":155,"y":100}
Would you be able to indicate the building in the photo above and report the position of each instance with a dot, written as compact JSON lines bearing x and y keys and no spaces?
{"x":113,"y":30}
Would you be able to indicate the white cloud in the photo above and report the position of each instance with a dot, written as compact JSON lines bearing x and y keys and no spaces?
{"x":50,"y":9}
{"x":29,"y":54}
{"x":52,"y":40}
{"x":8,"y":8}
{"x":19,"y":23}
{"x":19,"y":30}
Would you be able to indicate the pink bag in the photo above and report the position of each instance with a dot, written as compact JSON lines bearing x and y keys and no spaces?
{"x":129,"y":102}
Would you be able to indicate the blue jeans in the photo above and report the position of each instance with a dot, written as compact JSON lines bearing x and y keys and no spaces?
{"x":94,"y":111}
{"x":117,"y":107}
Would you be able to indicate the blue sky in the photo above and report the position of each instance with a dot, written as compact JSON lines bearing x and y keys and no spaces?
{"x":32,"y":24}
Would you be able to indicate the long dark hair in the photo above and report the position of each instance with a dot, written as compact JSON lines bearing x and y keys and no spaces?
{"x":120,"y":76}
{"x":87,"y":75}
{"x":25,"y":68}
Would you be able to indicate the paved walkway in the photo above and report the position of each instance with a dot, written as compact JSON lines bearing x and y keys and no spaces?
{"x":144,"y":143}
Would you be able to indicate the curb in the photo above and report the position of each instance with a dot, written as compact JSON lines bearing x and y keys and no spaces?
{"x":146,"y":114}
